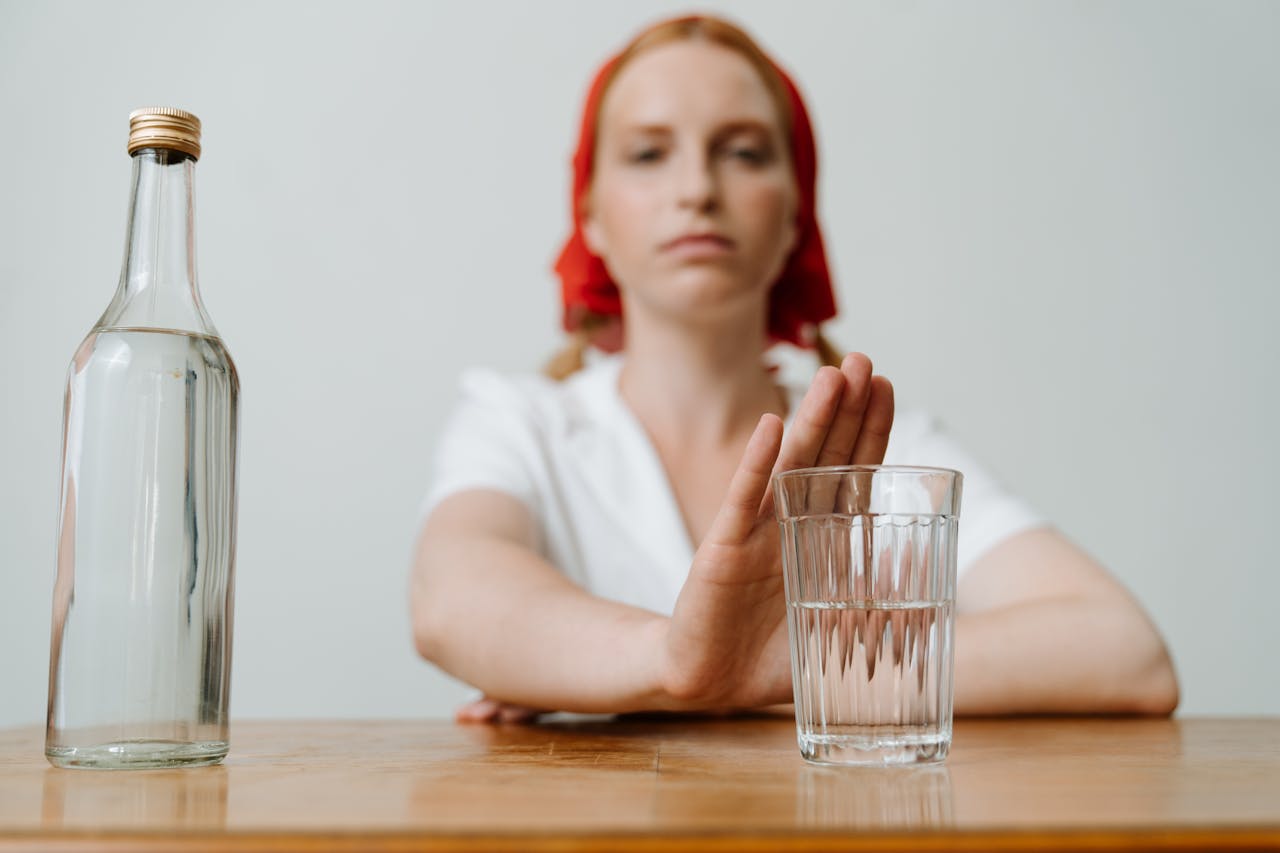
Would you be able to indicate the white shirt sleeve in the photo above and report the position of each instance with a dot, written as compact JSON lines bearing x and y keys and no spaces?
{"x":490,"y":441}
{"x":988,"y":514}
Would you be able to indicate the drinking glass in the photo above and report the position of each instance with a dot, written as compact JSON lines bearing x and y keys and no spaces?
{"x":869,"y":560}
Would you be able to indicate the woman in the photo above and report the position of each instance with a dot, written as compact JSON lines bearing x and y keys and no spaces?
{"x":605,"y":543}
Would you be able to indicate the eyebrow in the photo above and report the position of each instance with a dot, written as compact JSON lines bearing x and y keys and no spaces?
{"x":648,"y":129}
{"x":726,"y":129}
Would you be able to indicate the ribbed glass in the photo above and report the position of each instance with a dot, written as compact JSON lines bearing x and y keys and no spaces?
{"x":869,"y":560}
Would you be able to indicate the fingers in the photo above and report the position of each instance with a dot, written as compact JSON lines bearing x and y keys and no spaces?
{"x":741,"y":507}
{"x":492,"y":711}
{"x":845,"y":418}
{"x":511,"y":714}
{"x":812,"y":423}
{"x":480,"y":711}
{"x":838,"y":446}
{"x":877,"y":421}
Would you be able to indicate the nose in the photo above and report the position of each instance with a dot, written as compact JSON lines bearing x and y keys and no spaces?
{"x":698,"y":186}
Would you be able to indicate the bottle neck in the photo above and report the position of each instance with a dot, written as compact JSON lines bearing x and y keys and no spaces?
{"x":158,"y":279}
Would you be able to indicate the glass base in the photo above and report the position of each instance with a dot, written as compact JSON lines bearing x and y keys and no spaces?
{"x":845,"y":750}
{"x":140,"y":754}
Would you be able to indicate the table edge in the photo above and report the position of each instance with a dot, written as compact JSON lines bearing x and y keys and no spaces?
{"x":1234,"y":838}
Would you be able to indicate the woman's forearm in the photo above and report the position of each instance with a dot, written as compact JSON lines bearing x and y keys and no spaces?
{"x":494,"y":615}
{"x":1062,"y":655}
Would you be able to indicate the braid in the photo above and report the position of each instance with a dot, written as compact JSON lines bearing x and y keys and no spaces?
{"x":570,"y":358}
{"x":827,"y":351}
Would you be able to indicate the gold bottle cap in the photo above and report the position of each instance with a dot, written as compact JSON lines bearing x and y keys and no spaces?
{"x":164,"y":127}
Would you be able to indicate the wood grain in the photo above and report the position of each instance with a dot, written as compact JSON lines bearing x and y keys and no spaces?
{"x":677,"y":784}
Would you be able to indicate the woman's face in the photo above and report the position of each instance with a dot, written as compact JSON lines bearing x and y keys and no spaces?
{"x":692,"y":203}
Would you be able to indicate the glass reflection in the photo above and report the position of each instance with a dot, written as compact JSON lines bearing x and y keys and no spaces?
{"x":194,"y":798}
{"x":874,"y":798}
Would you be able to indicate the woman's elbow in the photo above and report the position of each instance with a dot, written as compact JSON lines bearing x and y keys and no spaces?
{"x":427,"y":618}
{"x":1156,"y":690}
{"x":428,"y":634}
{"x":1149,"y":684}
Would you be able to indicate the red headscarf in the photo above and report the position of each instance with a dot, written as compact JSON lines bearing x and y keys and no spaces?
{"x":801,"y":298}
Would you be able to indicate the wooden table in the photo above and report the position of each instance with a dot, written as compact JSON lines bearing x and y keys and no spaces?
{"x":676,"y":784}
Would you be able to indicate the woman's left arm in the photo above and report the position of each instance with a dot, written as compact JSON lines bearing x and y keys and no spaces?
{"x":1042,"y":628}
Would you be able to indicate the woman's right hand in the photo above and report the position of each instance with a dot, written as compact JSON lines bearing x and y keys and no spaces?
{"x":487,"y":710}
{"x":726,"y":642}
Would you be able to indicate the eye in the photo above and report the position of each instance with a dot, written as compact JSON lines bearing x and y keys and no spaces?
{"x":646,"y":154}
{"x":749,"y":154}
{"x":747,"y":150}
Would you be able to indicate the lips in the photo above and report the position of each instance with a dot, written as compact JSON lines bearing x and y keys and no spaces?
{"x":699,"y":244}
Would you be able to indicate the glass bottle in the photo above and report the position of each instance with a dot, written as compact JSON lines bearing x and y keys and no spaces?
{"x":140,"y":658}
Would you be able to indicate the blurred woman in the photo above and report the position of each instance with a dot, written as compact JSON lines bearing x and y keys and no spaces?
{"x":602,"y":539}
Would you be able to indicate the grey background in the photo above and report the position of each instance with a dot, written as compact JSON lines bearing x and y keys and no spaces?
{"x":1053,"y":225}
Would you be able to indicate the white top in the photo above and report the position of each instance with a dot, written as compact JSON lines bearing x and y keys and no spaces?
{"x":576,"y":456}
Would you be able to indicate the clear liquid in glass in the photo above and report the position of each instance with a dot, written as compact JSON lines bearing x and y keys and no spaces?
{"x":873,"y":683}
{"x":140,"y":667}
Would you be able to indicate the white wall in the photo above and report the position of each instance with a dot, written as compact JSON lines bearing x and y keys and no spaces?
{"x":1054,"y":224}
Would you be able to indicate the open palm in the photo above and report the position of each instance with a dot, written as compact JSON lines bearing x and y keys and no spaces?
{"x":727,"y":639}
